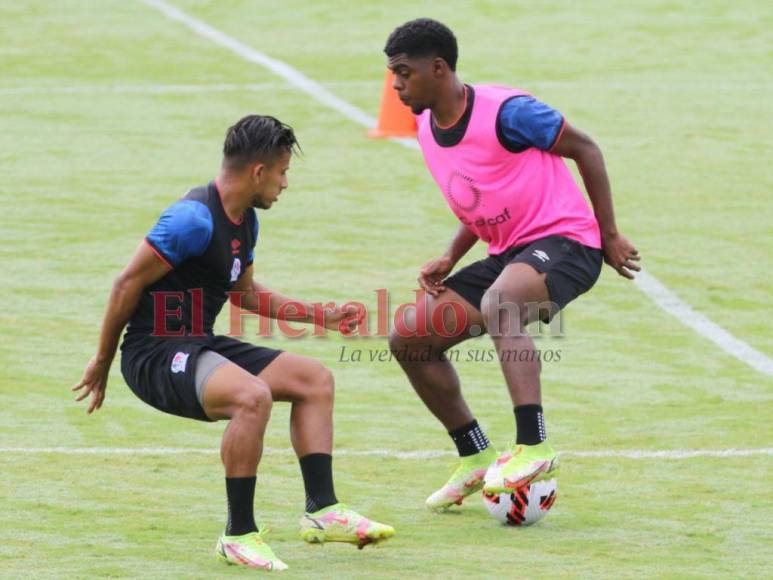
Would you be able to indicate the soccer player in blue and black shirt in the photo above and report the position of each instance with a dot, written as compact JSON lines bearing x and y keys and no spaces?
{"x":170,"y":293}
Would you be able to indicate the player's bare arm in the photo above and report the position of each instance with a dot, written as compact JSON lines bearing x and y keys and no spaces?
{"x":143,"y":269}
{"x":618,"y":251}
{"x":307,"y":312}
{"x":433,"y":272}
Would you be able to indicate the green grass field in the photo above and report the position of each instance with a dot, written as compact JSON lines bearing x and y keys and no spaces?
{"x":110,"y":111}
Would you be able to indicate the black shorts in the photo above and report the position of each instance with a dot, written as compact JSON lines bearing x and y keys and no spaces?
{"x":570,"y":268}
{"x":162,"y":371}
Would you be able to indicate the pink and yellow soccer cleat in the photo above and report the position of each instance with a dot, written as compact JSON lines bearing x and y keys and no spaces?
{"x":466,"y":480}
{"x":338,"y":523}
{"x":248,"y":550}
{"x":520,"y":466}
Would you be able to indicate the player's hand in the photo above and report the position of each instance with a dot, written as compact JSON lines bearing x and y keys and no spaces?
{"x":94,"y":383}
{"x":621,"y":255}
{"x":344,"y":319}
{"x":433,"y":273}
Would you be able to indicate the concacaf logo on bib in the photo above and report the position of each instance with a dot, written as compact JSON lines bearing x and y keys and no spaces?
{"x":236,"y":269}
{"x":179,"y":362}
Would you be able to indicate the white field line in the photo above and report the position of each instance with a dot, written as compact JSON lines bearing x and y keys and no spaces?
{"x":389,"y":453}
{"x":293,"y":76}
{"x":701,"y":324}
{"x":663,"y":297}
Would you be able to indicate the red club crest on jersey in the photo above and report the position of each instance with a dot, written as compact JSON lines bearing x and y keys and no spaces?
{"x":235,"y":246}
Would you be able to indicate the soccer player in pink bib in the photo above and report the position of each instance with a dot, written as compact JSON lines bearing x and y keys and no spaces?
{"x":497,"y":155}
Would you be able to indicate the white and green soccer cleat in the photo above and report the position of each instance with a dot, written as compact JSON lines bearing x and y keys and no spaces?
{"x":248,"y":550}
{"x":466,"y":480}
{"x":519,"y":466}
{"x":338,"y":523}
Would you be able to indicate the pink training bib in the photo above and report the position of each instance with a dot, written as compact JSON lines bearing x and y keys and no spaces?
{"x":506,"y":199}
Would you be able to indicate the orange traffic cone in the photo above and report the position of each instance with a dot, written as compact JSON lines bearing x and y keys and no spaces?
{"x":395,"y":119}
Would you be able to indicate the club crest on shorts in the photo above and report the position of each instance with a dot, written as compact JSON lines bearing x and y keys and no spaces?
{"x":236,"y":269}
{"x":179,"y":362}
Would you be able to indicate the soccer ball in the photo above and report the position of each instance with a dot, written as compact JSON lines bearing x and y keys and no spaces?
{"x":525,"y":505}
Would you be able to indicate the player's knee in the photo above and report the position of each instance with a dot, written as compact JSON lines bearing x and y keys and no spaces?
{"x":324,"y":384}
{"x":503,"y":312}
{"x":402,"y":345}
{"x":315,"y":383}
{"x":404,"y":334}
{"x":398,"y":342}
{"x":255,"y":398}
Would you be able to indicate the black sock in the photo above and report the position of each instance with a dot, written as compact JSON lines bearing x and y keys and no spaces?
{"x":470,"y":439}
{"x":317,"y":471}
{"x":529,"y":424}
{"x":241,"y":493}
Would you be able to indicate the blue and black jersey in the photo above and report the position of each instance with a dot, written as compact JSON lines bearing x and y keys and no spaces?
{"x":207,"y":253}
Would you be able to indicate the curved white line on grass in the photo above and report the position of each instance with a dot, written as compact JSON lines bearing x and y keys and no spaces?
{"x":701,"y":324}
{"x":291,"y":75}
{"x":390,"y":453}
{"x":663,"y":297}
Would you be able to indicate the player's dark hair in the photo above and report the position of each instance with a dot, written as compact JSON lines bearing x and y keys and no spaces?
{"x":258,"y":138}
{"x":423,"y":37}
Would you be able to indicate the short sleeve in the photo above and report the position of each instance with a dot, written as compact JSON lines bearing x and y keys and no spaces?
{"x":183,"y":231}
{"x":255,"y":228}
{"x":525,"y":122}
